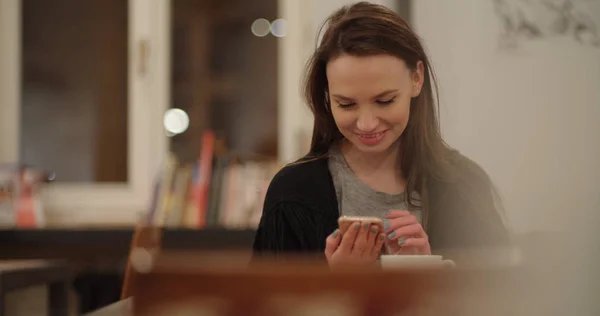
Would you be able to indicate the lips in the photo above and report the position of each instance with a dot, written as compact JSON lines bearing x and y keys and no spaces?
{"x":374,"y":135}
{"x":371,"y":139}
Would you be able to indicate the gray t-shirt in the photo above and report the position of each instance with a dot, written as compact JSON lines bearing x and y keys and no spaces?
{"x":355,"y":198}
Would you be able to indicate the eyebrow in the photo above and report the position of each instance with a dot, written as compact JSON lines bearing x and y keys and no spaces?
{"x":384,"y":93}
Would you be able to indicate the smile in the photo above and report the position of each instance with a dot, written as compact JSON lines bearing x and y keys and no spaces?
{"x":371,"y":139}
{"x":372,"y":135}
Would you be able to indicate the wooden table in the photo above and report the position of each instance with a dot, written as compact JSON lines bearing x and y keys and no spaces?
{"x":19,"y":274}
{"x":222,"y":284}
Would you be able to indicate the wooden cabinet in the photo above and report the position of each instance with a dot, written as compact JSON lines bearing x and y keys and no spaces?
{"x":223,"y":76}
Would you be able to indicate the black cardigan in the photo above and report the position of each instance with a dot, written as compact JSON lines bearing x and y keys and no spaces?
{"x":301,"y":210}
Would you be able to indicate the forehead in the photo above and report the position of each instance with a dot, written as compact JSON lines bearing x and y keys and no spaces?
{"x":353,"y":75}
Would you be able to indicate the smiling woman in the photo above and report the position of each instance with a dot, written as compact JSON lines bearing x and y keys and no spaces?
{"x":376,"y":151}
{"x":371,"y":99}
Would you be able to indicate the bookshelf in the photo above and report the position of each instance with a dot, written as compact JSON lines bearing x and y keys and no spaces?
{"x":226,"y":79}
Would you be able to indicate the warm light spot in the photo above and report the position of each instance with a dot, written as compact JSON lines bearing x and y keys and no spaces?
{"x":176,"y":121}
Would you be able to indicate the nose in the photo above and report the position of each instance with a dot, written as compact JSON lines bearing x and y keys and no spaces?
{"x":367,"y":121}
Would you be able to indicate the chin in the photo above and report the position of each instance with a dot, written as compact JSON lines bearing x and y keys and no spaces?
{"x":382,"y":147}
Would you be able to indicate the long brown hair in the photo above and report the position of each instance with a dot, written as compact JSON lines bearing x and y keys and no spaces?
{"x":365,"y":29}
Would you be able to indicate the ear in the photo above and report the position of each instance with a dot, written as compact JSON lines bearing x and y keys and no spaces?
{"x":418,"y":76}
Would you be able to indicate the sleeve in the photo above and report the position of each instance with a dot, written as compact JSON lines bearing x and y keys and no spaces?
{"x":285,"y":228}
{"x":468,"y":212}
{"x":291,"y":222}
{"x":489,"y":226}
{"x":485,"y":224}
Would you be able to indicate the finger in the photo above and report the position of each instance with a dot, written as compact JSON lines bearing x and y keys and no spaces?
{"x":361,"y":243}
{"x":392,"y":246}
{"x":331,"y":243}
{"x":349,"y":237}
{"x":398,"y":247}
{"x":413,"y":246}
{"x":400,"y":222}
{"x":407,"y":231}
{"x":379,"y":241}
{"x":373,"y":233}
{"x":415,"y":242}
{"x":397,"y":213}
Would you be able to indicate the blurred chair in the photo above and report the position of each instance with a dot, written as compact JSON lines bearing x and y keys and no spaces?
{"x":145,"y":244}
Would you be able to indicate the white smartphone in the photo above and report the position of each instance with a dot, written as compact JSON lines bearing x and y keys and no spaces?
{"x":344,"y":222}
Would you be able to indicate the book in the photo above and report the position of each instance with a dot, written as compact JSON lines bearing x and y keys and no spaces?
{"x":222,"y":189}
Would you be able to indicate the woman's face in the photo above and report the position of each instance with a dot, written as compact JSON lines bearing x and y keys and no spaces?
{"x":370,"y":99}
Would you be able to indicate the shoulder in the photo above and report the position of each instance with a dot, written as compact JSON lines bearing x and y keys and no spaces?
{"x":466,"y":209}
{"x":467,"y":171}
{"x":306,"y":180}
{"x":465,"y":183}
{"x":467,"y":187}
{"x":305,"y":170}
{"x":457,"y":170}
{"x":308,"y":170}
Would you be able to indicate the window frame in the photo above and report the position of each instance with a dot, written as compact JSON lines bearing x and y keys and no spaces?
{"x":148,"y":98}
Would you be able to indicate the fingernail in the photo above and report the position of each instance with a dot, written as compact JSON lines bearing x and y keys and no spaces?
{"x":401,"y":241}
{"x":335,"y":233}
{"x":392,"y":235}
{"x":366,"y":226}
{"x":382,"y":237}
{"x":386,"y":225}
{"x":374,"y":229}
{"x":357,"y":226}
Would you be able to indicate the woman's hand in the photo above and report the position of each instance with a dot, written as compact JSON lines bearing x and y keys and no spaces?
{"x":405,"y":235}
{"x":359,"y":246}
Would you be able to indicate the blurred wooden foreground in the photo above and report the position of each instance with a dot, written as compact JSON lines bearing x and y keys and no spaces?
{"x":223,"y":284}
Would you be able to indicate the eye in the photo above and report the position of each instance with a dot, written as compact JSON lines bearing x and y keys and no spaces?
{"x":345,"y":105}
{"x":386,"y":102}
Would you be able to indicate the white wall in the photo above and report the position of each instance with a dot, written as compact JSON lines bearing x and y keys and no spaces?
{"x":9,"y":88}
{"x":530,"y":117}
{"x":294,"y":49}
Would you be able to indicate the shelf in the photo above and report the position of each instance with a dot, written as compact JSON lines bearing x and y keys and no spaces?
{"x":90,"y":244}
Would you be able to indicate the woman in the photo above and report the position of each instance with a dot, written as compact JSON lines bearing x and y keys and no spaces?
{"x":376,"y":151}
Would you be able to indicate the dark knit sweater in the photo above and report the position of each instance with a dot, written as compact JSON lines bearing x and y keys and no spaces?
{"x":301,"y":210}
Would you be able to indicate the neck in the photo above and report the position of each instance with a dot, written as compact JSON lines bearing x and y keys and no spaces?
{"x":362,"y":162}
